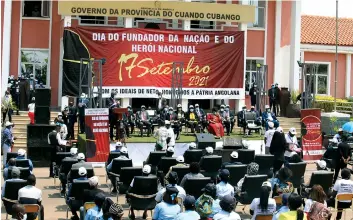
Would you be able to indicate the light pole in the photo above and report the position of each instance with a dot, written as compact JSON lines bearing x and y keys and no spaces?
{"x":336,"y":58}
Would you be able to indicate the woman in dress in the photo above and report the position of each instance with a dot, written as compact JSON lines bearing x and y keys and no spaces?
{"x":215,"y":125}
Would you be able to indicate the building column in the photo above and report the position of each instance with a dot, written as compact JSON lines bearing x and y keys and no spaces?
{"x":295,"y":45}
{"x":6,"y":46}
{"x":278,"y":30}
{"x":348,"y":75}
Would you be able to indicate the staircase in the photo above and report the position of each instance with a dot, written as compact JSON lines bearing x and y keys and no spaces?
{"x":287,"y":123}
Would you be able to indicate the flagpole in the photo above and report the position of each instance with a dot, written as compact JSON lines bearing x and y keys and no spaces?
{"x":336,"y":57}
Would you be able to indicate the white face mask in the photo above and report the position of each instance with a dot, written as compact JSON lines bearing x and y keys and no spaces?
{"x":191,"y":110}
{"x":170,"y":112}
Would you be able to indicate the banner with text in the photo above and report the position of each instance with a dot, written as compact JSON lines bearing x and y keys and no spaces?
{"x":139,"y":61}
{"x":311,"y":134}
{"x":97,"y":134}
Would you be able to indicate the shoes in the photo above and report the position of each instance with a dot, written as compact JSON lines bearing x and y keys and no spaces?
{"x":114,"y":191}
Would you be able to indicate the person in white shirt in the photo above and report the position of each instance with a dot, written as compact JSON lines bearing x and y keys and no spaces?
{"x":161,"y":134}
{"x":268,"y":136}
{"x":31,"y":107}
{"x":171,"y":135}
{"x":342,"y":186}
{"x":338,"y":137}
{"x":224,"y":188}
{"x":293,"y":147}
{"x":317,"y":194}
{"x":264,"y":204}
{"x":57,"y":143}
{"x":228,"y":205}
{"x":31,"y":195}
{"x":172,"y":180}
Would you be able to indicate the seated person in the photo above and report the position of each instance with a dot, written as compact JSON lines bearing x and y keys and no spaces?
{"x":180,"y":163}
{"x":258,"y":118}
{"x":207,"y":205}
{"x":201,"y":116}
{"x":73,"y":153}
{"x":116,"y":212}
{"x":263,"y":205}
{"x":194,"y":173}
{"x":251,"y":170}
{"x":81,"y":163}
{"x":96,"y":212}
{"x":89,"y":194}
{"x":227,"y":204}
{"x":215,"y":125}
{"x":269,"y":116}
{"x":209,"y":152}
{"x":172,"y":179}
{"x":293,"y":146}
{"x":179,"y":120}
{"x":189,"y":213}
{"x":295,"y":213}
{"x":338,"y":137}
{"x":169,"y":152}
{"x":74,"y":206}
{"x":281,"y":184}
{"x":223,"y":187}
{"x":63,"y":176}
{"x":192,"y":119}
{"x":22,"y":155}
{"x":317,"y":195}
{"x":225,"y":116}
{"x":143,"y":120}
{"x":15,"y":174}
{"x":321,"y":165}
{"x":284,"y":207}
{"x":123,"y":156}
{"x":293,"y":159}
{"x":31,"y":195}
{"x":11,"y":164}
{"x":241,"y":118}
{"x":118,"y":146}
{"x":233,"y":160}
{"x":168,"y":209}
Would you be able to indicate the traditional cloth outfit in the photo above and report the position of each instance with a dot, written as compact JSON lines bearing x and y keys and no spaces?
{"x":215,"y":126}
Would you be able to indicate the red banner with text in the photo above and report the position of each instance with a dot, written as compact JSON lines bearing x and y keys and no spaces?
{"x":311,"y":134}
{"x":139,"y":61}
{"x":97,"y":134}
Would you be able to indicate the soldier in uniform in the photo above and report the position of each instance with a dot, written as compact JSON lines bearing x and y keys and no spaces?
{"x":72,"y":118}
{"x":82,"y":105}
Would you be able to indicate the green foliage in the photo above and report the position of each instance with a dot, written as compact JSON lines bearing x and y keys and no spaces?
{"x":349,"y":99}
{"x":293,"y":95}
{"x":328,"y":105}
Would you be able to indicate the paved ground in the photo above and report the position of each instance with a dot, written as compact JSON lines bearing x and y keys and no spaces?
{"x":55,"y":207}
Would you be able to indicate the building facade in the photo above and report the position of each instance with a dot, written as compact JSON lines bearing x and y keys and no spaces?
{"x":31,"y":41}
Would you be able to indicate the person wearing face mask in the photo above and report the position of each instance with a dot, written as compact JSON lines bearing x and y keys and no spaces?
{"x":162,"y":102}
{"x":112,"y":104}
{"x":273,"y":96}
{"x":31,"y":108}
{"x":293,"y":146}
{"x":215,"y":126}
{"x":161,"y":134}
{"x":192,"y":119}
{"x":72,"y":119}
{"x":144,"y":120}
{"x":230,"y":114}
{"x":6,"y":106}
{"x":241,"y":118}
{"x":268,"y":116}
{"x":179,"y":120}
{"x":82,"y":105}
{"x":258,"y":118}
{"x":225,"y":118}
{"x":171,"y":135}
{"x":201,"y":117}
{"x":129,"y":120}
{"x":253,"y":93}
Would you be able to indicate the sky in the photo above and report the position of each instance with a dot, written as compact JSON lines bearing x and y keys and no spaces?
{"x":328,"y":8}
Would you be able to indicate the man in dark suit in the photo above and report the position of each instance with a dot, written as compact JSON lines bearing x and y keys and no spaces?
{"x":144,"y":120}
{"x":112,"y":104}
{"x":72,"y":119}
{"x":241,"y":118}
{"x":129,"y":120}
{"x":161,"y":102}
{"x":201,"y":116}
{"x":253,"y":93}
{"x":273,"y":96}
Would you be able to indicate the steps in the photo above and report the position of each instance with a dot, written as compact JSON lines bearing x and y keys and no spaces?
{"x":287,"y":123}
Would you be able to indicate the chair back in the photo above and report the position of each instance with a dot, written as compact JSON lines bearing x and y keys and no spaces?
{"x":22,"y":163}
{"x":192,"y":156}
{"x":264,"y":217}
{"x":323,"y":178}
{"x":31,"y":208}
{"x":66,"y":165}
{"x":236,"y":173}
{"x":145,"y":185}
{"x":250,"y":116}
{"x":246,"y":156}
{"x":298,"y":170}
{"x":112,"y":155}
{"x":278,"y":200}
{"x":119,"y":163}
{"x":60,"y":156}
{"x":155,"y":157}
{"x":344,"y":197}
{"x":166,"y":163}
{"x":265,"y":162}
{"x":25,"y":172}
{"x":211,"y":163}
{"x":193,"y":186}
{"x":11,"y":155}
{"x":252,"y":187}
{"x":78,"y":187}
{"x":12,"y":187}
{"x":74,"y":173}
{"x":181,"y":171}
{"x":128,"y":173}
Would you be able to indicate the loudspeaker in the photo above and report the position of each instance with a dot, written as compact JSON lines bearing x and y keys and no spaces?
{"x":205,"y":140}
{"x":43,"y":97}
{"x":42,"y":114}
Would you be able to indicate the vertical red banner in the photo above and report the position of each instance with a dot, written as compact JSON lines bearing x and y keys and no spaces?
{"x":311,"y":134}
{"x":97,"y":134}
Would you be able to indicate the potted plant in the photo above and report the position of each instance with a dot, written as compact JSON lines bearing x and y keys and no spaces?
{"x":293,"y":108}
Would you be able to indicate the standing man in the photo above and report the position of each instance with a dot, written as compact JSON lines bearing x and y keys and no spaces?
{"x":6,"y":106}
{"x":273,"y":97}
{"x":56,"y":143}
{"x":129,"y":121}
{"x":32,"y":86}
{"x":162,"y":102}
{"x":82,"y":105}
{"x":112,"y":104}
{"x":268,"y":137}
{"x":252,"y":93}
{"x":161,"y":135}
{"x":6,"y":140}
{"x":65,"y":116}
{"x":15,"y":93}
{"x":72,"y":118}
{"x":31,"y":108}
{"x":171,"y":136}
{"x":277,"y":106}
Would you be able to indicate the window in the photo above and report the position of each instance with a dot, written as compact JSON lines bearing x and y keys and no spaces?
{"x":318,"y":79}
{"x":35,"y":62}
{"x":101,"y":21}
{"x":259,"y":13}
{"x":207,"y":25}
{"x":250,"y":76}
{"x":92,"y":19}
{"x":36,"y":9}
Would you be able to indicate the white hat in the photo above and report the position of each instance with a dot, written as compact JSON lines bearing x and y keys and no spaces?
{"x":123,"y":150}
{"x":83,"y":95}
{"x":196,"y":105}
{"x":80,"y":156}
{"x":118,"y":144}
{"x":60,"y":114}
{"x":234,"y":155}
{"x":192,"y":145}
{"x":146,"y":169}
{"x":340,"y":129}
{"x":170,"y":149}
{"x":21,"y":152}
{"x":267,"y":106}
{"x":180,"y":159}
{"x":271,"y":124}
{"x":8,"y":124}
{"x":82,"y":171}
{"x":222,"y":106}
{"x":292,"y":131}
{"x":267,"y":183}
{"x":167,"y":122}
{"x":209,"y":150}
{"x":279,"y":129}
{"x":73,"y":151}
{"x":191,"y":106}
{"x":33,"y":98}
{"x":179,"y":106}
{"x":93,"y":181}
{"x":321,"y":164}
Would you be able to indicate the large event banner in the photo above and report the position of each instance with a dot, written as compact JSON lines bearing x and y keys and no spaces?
{"x":140,"y":61}
{"x":311,"y":134}
{"x":97,"y":134}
